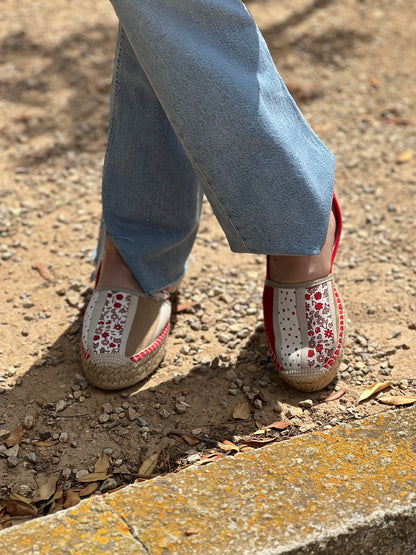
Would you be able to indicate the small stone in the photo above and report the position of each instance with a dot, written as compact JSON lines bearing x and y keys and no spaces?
{"x":233,"y":392}
{"x":103,"y":417}
{"x":258,"y":404}
{"x":132,"y":414}
{"x":404,"y":384}
{"x":194,"y":458}
{"x":108,"y":485}
{"x":13,"y":451}
{"x":29,"y":421}
{"x":12,"y":462}
{"x":181,"y":407}
{"x":108,"y":451}
{"x":292,"y":412}
{"x":31,"y":457}
{"x":25,"y":490}
{"x":66,"y":472}
{"x":231,"y":375}
{"x":279,"y":407}
{"x":25,"y":331}
{"x":395,"y":333}
{"x":142,"y":422}
{"x":385,"y":371}
{"x":306,"y":404}
{"x":61,"y":405}
{"x":81,"y":474}
{"x":63,"y":437}
{"x":164,"y":413}
{"x":107,"y":408}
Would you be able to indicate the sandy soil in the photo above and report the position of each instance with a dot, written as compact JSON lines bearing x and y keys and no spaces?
{"x":350,"y":65}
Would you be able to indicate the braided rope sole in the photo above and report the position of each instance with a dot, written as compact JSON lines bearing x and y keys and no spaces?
{"x":113,"y":372}
{"x":328,"y":372}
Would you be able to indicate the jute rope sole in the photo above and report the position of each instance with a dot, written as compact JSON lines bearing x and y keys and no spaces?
{"x":112,"y":373}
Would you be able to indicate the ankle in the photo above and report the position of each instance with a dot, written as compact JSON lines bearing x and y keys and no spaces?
{"x":114,"y":272}
{"x":299,"y":269}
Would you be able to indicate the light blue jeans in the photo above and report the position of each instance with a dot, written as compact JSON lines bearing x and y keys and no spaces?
{"x":198,"y":107}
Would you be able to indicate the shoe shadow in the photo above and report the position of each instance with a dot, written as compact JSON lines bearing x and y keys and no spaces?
{"x":67,"y":423}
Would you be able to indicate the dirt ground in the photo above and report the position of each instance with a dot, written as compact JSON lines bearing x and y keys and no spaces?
{"x":350,"y":65}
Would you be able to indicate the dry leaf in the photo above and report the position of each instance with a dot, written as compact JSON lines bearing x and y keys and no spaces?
{"x":72,"y":498}
{"x":375,"y":388}
{"x":227,"y":446}
{"x":183,"y":307}
{"x":209,"y":458}
{"x":102,"y":464}
{"x":190,"y":440}
{"x":242,"y":411}
{"x":89,"y":489}
{"x":44,"y":271}
{"x":94,"y":477}
{"x":374,"y":81}
{"x":246,"y":449}
{"x":258,"y":442}
{"x":405,"y":156}
{"x":15,"y":438}
{"x":191,"y":532}
{"x":18,"y":508}
{"x":46,"y":490}
{"x":17,"y":497}
{"x":148,"y":465}
{"x":278,"y":425}
{"x":397,"y":400}
{"x":336,"y":395}
{"x":48,"y":443}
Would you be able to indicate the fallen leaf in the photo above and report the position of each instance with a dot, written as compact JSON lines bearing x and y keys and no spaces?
{"x":191,"y":532}
{"x":89,"y":489}
{"x":148,"y":465}
{"x":48,"y":443}
{"x":94,"y":477}
{"x":190,"y":440}
{"x":18,"y":508}
{"x":227,"y":446}
{"x":405,"y":156}
{"x":374,"y":81}
{"x":72,"y":498}
{"x":397,"y":400}
{"x":259,"y":432}
{"x":183,"y":307}
{"x":278,"y":425}
{"x":209,"y":458}
{"x":258,"y":442}
{"x":44,"y":271}
{"x":242,"y":411}
{"x":15,"y":438}
{"x":375,"y":388}
{"x":102,"y":464}
{"x":46,"y":490}
{"x":17,"y":497}
{"x":336,"y":395}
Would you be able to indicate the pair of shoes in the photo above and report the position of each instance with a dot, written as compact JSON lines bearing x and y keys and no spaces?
{"x":124,"y":336}
{"x":305,"y":326}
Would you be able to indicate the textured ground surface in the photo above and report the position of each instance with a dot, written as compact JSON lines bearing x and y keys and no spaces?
{"x":349,"y":65}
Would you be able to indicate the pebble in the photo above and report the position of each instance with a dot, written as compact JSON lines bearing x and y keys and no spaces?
{"x":103,"y":418}
{"x":108,"y":451}
{"x":63,"y":437}
{"x":31,"y":457}
{"x":12,"y":461}
{"x":181,"y":407}
{"x":108,"y":485}
{"x":132,"y":414}
{"x":258,"y":404}
{"x":81,"y":474}
{"x":279,"y":407}
{"x":306,"y":404}
{"x":142,"y":422}
{"x":61,"y":405}
{"x":107,"y":408}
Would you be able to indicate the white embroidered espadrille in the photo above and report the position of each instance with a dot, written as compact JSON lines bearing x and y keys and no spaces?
{"x":124,"y":336}
{"x":305,"y":327}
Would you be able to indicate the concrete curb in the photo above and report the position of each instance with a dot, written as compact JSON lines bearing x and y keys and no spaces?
{"x":351,"y":489}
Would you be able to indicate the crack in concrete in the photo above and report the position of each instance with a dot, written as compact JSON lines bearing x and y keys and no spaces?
{"x":130,"y":528}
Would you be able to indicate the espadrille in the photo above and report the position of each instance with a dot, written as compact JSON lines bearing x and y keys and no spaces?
{"x":305,"y":327}
{"x":123,"y":336}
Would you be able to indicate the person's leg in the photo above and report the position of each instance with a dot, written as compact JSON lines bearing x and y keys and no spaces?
{"x":151,"y":208}
{"x":266,"y":174}
{"x":151,"y":197}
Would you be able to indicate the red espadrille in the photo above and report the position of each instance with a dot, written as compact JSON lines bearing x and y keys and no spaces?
{"x":305,"y":326}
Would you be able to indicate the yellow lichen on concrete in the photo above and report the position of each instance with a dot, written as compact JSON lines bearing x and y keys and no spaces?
{"x":87,"y":529}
